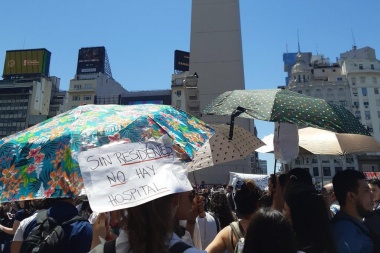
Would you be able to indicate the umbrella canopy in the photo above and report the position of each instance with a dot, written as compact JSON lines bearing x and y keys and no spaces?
{"x":313,"y":141}
{"x":219,"y":149}
{"x":41,"y":161}
{"x":322,"y":142}
{"x":280,"y":105}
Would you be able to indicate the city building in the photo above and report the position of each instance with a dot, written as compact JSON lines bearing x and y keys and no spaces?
{"x":93,"y":82}
{"x":352,"y":82}
{"x":27,"y":91}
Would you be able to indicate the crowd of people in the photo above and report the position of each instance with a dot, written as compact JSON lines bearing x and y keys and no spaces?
{"x":290,"y":217}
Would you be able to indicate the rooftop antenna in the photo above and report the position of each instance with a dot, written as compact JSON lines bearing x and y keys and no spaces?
{"x":287,"y":51}
{"x":354,"y":43}
{"x":298,"y":38}
{"x":316,"y":45}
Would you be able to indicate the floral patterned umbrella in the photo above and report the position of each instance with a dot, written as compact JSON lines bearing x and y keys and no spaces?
{"x":279,"y":105}
{"x":41,"y":161}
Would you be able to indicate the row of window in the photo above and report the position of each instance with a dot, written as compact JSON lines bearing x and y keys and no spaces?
{"x":327,"y":171}
{"x":84,"y":98}
{"x":363,"y":80}
{"x":84,"y":87}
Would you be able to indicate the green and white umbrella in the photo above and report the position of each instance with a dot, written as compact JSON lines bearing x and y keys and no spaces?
{"x":279,"y":105}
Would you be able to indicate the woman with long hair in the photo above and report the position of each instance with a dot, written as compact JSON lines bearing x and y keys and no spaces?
{"x":220,"y":208}
{"x":269,"y":232}
{"x":247,"y":202}
{"x":306,"y":210}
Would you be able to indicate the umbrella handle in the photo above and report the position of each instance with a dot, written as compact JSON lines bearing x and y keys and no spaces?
{"x":239,"y":110}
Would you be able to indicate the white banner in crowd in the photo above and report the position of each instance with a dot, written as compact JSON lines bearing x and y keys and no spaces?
{"x":124,"y":175}
{"x":260,"y":180}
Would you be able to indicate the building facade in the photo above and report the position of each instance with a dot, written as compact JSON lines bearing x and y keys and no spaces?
{"x":351,"y":82}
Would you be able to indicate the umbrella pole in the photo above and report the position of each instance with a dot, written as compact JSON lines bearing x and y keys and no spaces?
{"x":274,"y":171}
{"x":321,"y":171}
{"x":195,"y":180}
{"x":239,"y":110}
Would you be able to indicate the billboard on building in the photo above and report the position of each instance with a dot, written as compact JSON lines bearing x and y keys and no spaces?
{"x":91,"y":60}
{"x":26,"y":63}
{"x":181,"y":60}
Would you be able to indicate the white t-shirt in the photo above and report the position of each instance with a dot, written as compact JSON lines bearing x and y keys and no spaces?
{"x":122,"y":245}
{"x":19,"y":234}
{"x":207,"y":229}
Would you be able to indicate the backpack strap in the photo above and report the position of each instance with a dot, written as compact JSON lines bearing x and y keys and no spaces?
{"x":236,"y":231}
{"x":110,"y":246}
{"x":74,"y":219}
{"x":179,"y":247}
{"x":41,"y":216}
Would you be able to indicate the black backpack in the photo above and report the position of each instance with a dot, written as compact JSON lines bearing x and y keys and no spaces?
{"x":47,"y":235}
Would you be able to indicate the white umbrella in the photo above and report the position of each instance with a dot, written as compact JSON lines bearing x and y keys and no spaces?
{"x":220,"y":150}
{"x":323,"y":142}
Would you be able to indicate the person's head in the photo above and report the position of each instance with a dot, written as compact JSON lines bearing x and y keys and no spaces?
{"x":303,"y":176}
{"x":306,"y":211}
{"x":230,"y":188}
{"x":328,"y":194}
{"x":150,"y":225}
{"x":374,"y":185}
{"x":247,"y":199}
{"x":353,"y":193}
{"x":219,"y":206}
{"x":269,"y":232}
{"x":185,"y":204}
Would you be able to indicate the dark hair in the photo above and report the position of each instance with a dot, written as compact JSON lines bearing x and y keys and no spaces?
{"x":219,"y":206}
{"x":346,"y":181}
{"x":269,"y":232}
{"x":247,"y":198}
{"x":375,"y":182}
{"x":309,"y":218}
{"x":149,"y":225}
{"x":265,"y":200}
{"x":302,"y":175}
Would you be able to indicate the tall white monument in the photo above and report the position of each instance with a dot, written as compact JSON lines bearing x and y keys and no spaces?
{"x":216,"y":56}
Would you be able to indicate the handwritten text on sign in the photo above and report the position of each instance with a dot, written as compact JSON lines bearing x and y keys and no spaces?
{"x":123,"y":175}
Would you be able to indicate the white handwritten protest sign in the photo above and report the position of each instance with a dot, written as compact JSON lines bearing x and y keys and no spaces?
{"x":124,"y":175}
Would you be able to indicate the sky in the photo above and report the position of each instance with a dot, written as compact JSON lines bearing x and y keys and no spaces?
{"x":141,"y":36}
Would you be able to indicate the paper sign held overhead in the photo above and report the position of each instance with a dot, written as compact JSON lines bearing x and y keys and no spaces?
{"x":124,"y":175}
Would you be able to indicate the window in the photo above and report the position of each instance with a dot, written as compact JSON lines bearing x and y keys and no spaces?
{"x":338,"y":169}
{"x":178,"y":103}
{"x":360,"y":66}
{"x":76,"y":98}
{"x":327,"y":171}
{"x":339,"y":78}
{"x":378,"y":114}
{"x":342,"y":102}
{"x":367,"y":115}
{"x":77,"y":86}
{"x":300,"y":91}
{"x":376,"y":90}
{"x":88,"y":86}
{"x":362,"y":79}
{"x":372,"y":66}
{"x":353,"y":80}
{"x":374,"y":80}
{"x":357,"y":115}
{"x":366,"y":104}
{"x":378,"y":102}
{"x":86,"y":98}
{"x":364,"y":91}
{"x":315,"y":171}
